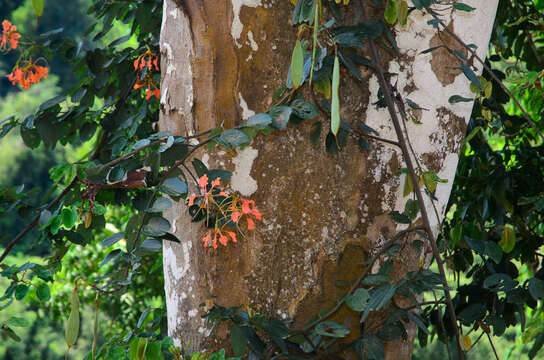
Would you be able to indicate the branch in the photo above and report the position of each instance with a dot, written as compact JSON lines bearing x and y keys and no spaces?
{"x":491,"y":73}
{"x":34,"y":222}
{"x":356,"y":131}
{"x":355,"y":285}
{"x":386,"y":89}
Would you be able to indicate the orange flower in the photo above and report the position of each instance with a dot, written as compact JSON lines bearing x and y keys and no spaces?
{"x":149,"y":82}
{"x":10,"y":35}
{"x":211,"y":237}
{"x":148,"y":59}
{"x":28,"y":74}
{"x":247,"y":208}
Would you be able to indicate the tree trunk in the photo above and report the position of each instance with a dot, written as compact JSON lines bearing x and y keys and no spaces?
{"x":323,"y":215}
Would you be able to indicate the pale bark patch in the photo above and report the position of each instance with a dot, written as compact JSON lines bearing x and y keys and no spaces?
{"x":241,"y":180}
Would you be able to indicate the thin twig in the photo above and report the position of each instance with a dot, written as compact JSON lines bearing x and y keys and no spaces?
{"x":492,"y":346}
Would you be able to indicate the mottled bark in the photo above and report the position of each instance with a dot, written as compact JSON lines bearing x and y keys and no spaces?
{"x":323,"y":215}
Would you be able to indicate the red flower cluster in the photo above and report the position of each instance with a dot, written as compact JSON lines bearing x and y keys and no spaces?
{"x":147,"y":60}
{"x":9,"y":35}
{"x":225,"y":208}
{"x":28,"y":75}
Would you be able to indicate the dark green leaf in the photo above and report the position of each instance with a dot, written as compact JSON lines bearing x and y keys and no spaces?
{"x":52,"y":102}
{"x":471,"y":76}
{"x":174,"y":187}
{"x":280,"y":116}
{"x":111,"y":255}
{"x":536,"y":288}
{"x":151,"y":245}
{"x":110,"y":240}
{"x":20,"y":291}
{"x":160,"y":205}
{"x":238,"y":341}
{"x":331,"y":329}
{"x":463,"y":7}
{"x":399,"y":218}
{"x":156,"y":226}
{"x":457,"y":98}
{"x":358,"y":300}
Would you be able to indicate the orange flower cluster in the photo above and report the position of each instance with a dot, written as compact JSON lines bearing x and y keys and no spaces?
{"x":28,"y":75}
{"x":218,"y":235}
{"x":141,"y":61}
{"x":227,"y":209}
{"x":147,"y":60}
{"x":9,"y":35}
{"x":148,"y":81}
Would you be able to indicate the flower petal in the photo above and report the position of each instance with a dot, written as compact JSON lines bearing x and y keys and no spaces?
{"x":203,"y":181}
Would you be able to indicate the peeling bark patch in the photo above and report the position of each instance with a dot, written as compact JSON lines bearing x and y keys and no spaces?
{"x":443,"y":63}
{"x":241,"y":180}
{"x":237,"y":26}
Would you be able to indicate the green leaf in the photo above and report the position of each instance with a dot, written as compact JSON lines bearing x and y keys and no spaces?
{"x":457,"y":98}
{"x":259,"y":121}
{"x":238,"y":341}
{"x":358,"y":300}
{"x":456,"y":233}
{"x":38,"y":7}
{"x":10,"y":333}
{"x":297,"y":65}
{"x":234,"y":137}
{"x":43,"y":292}
{"x":20,"y":291}
{"x":151,"y":245}
{"x":391,"y":12}
{"x":17,"y":321}
{"x":508,"y":238}
{"x":140,"y":144}
{"x":494,"y":251}
{"x":463,"y":7}
{"x":378,"y":298}
{"x":52,"y":102}
{"x":160,"y":205}
{"x":110,"y":240}
{"x":472,"y":313}
{"x":536,"y":288}
{"x":69,"y":217}
{"x":110,"y":256}
{"x":156,"y":226}
{"x":280,"y":116}
{"x":499,"y":282}
{"x":303,"y":109}
{"x":174,"y":187}
{"x":116,"y":174}
{"x":72,"y":325}
{"x":471,"y":76}
{"x":419,"y":322}
{"x":331,"y":329}
{"x":335,"y":105}
{"x":399,"y":218}
{"x":411,"y":209}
